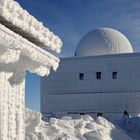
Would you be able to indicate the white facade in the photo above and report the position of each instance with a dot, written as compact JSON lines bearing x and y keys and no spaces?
{"x":63,"y":91}
{"x":102,"y":77}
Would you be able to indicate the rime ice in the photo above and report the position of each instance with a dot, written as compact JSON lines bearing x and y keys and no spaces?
{"x":20,"y":36}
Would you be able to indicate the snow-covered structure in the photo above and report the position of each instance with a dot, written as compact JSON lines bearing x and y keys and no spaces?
{"x":103,"y":77}
{"x":21,"y":37}
{"x":103,"y":41}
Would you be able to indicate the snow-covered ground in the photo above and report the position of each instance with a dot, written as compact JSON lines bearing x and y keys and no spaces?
{"x":80,"y":128}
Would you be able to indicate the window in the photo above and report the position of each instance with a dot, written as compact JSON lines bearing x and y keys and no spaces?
{"x":114,"y":75}
{"x":82,"y":113}
{"x":81,"y":76}
{"x":98,"y":75}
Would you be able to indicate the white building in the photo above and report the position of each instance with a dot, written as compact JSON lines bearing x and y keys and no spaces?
{"x":104,"y":77}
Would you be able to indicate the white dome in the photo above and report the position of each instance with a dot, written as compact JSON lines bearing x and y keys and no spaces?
{"x":103,"y":41}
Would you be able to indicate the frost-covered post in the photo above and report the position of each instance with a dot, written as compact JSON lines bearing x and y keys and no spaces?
{"x":21,"y":36}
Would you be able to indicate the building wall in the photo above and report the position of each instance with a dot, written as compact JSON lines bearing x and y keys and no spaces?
{"x":64,"y":91}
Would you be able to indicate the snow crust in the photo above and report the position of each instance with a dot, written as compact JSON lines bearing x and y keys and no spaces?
{"x":80,"y":128}
{"x":15,"y":15}
{"x":131,"y":126}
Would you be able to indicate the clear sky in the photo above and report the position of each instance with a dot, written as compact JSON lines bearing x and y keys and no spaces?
{"x":71,"y":19}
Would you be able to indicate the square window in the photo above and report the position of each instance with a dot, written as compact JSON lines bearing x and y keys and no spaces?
{"x":81,"y":76}
{"x":98,"y":75}
{"x":114,"y":75}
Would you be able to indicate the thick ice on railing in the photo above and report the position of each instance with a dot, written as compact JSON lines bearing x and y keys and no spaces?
{"x":16,"y":49}
{"x":16,"y":16}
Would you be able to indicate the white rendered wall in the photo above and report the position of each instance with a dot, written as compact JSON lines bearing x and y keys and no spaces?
{"x":11,"y":109}
{"x":63,"y":91}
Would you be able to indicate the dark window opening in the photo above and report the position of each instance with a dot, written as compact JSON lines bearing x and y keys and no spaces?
{"x":114,"y":75}
{"x":99,"y":114}
{"x":82,"y":113}
{"x":98,"y":75}
{"x":81,"y":76}
{"x":72,"y":113}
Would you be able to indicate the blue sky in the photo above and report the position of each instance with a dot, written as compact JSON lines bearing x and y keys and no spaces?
{"x":72,"y":19}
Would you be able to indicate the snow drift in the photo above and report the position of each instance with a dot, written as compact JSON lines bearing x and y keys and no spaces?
{"x":81,"y":128}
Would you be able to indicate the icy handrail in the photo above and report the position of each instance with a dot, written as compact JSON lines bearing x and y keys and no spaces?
{"x":13,"y":15}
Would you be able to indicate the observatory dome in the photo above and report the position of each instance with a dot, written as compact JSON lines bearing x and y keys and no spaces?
{"x":103,"y":41}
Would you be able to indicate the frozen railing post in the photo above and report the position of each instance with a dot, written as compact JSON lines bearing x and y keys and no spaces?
{"x":21,"y":39}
